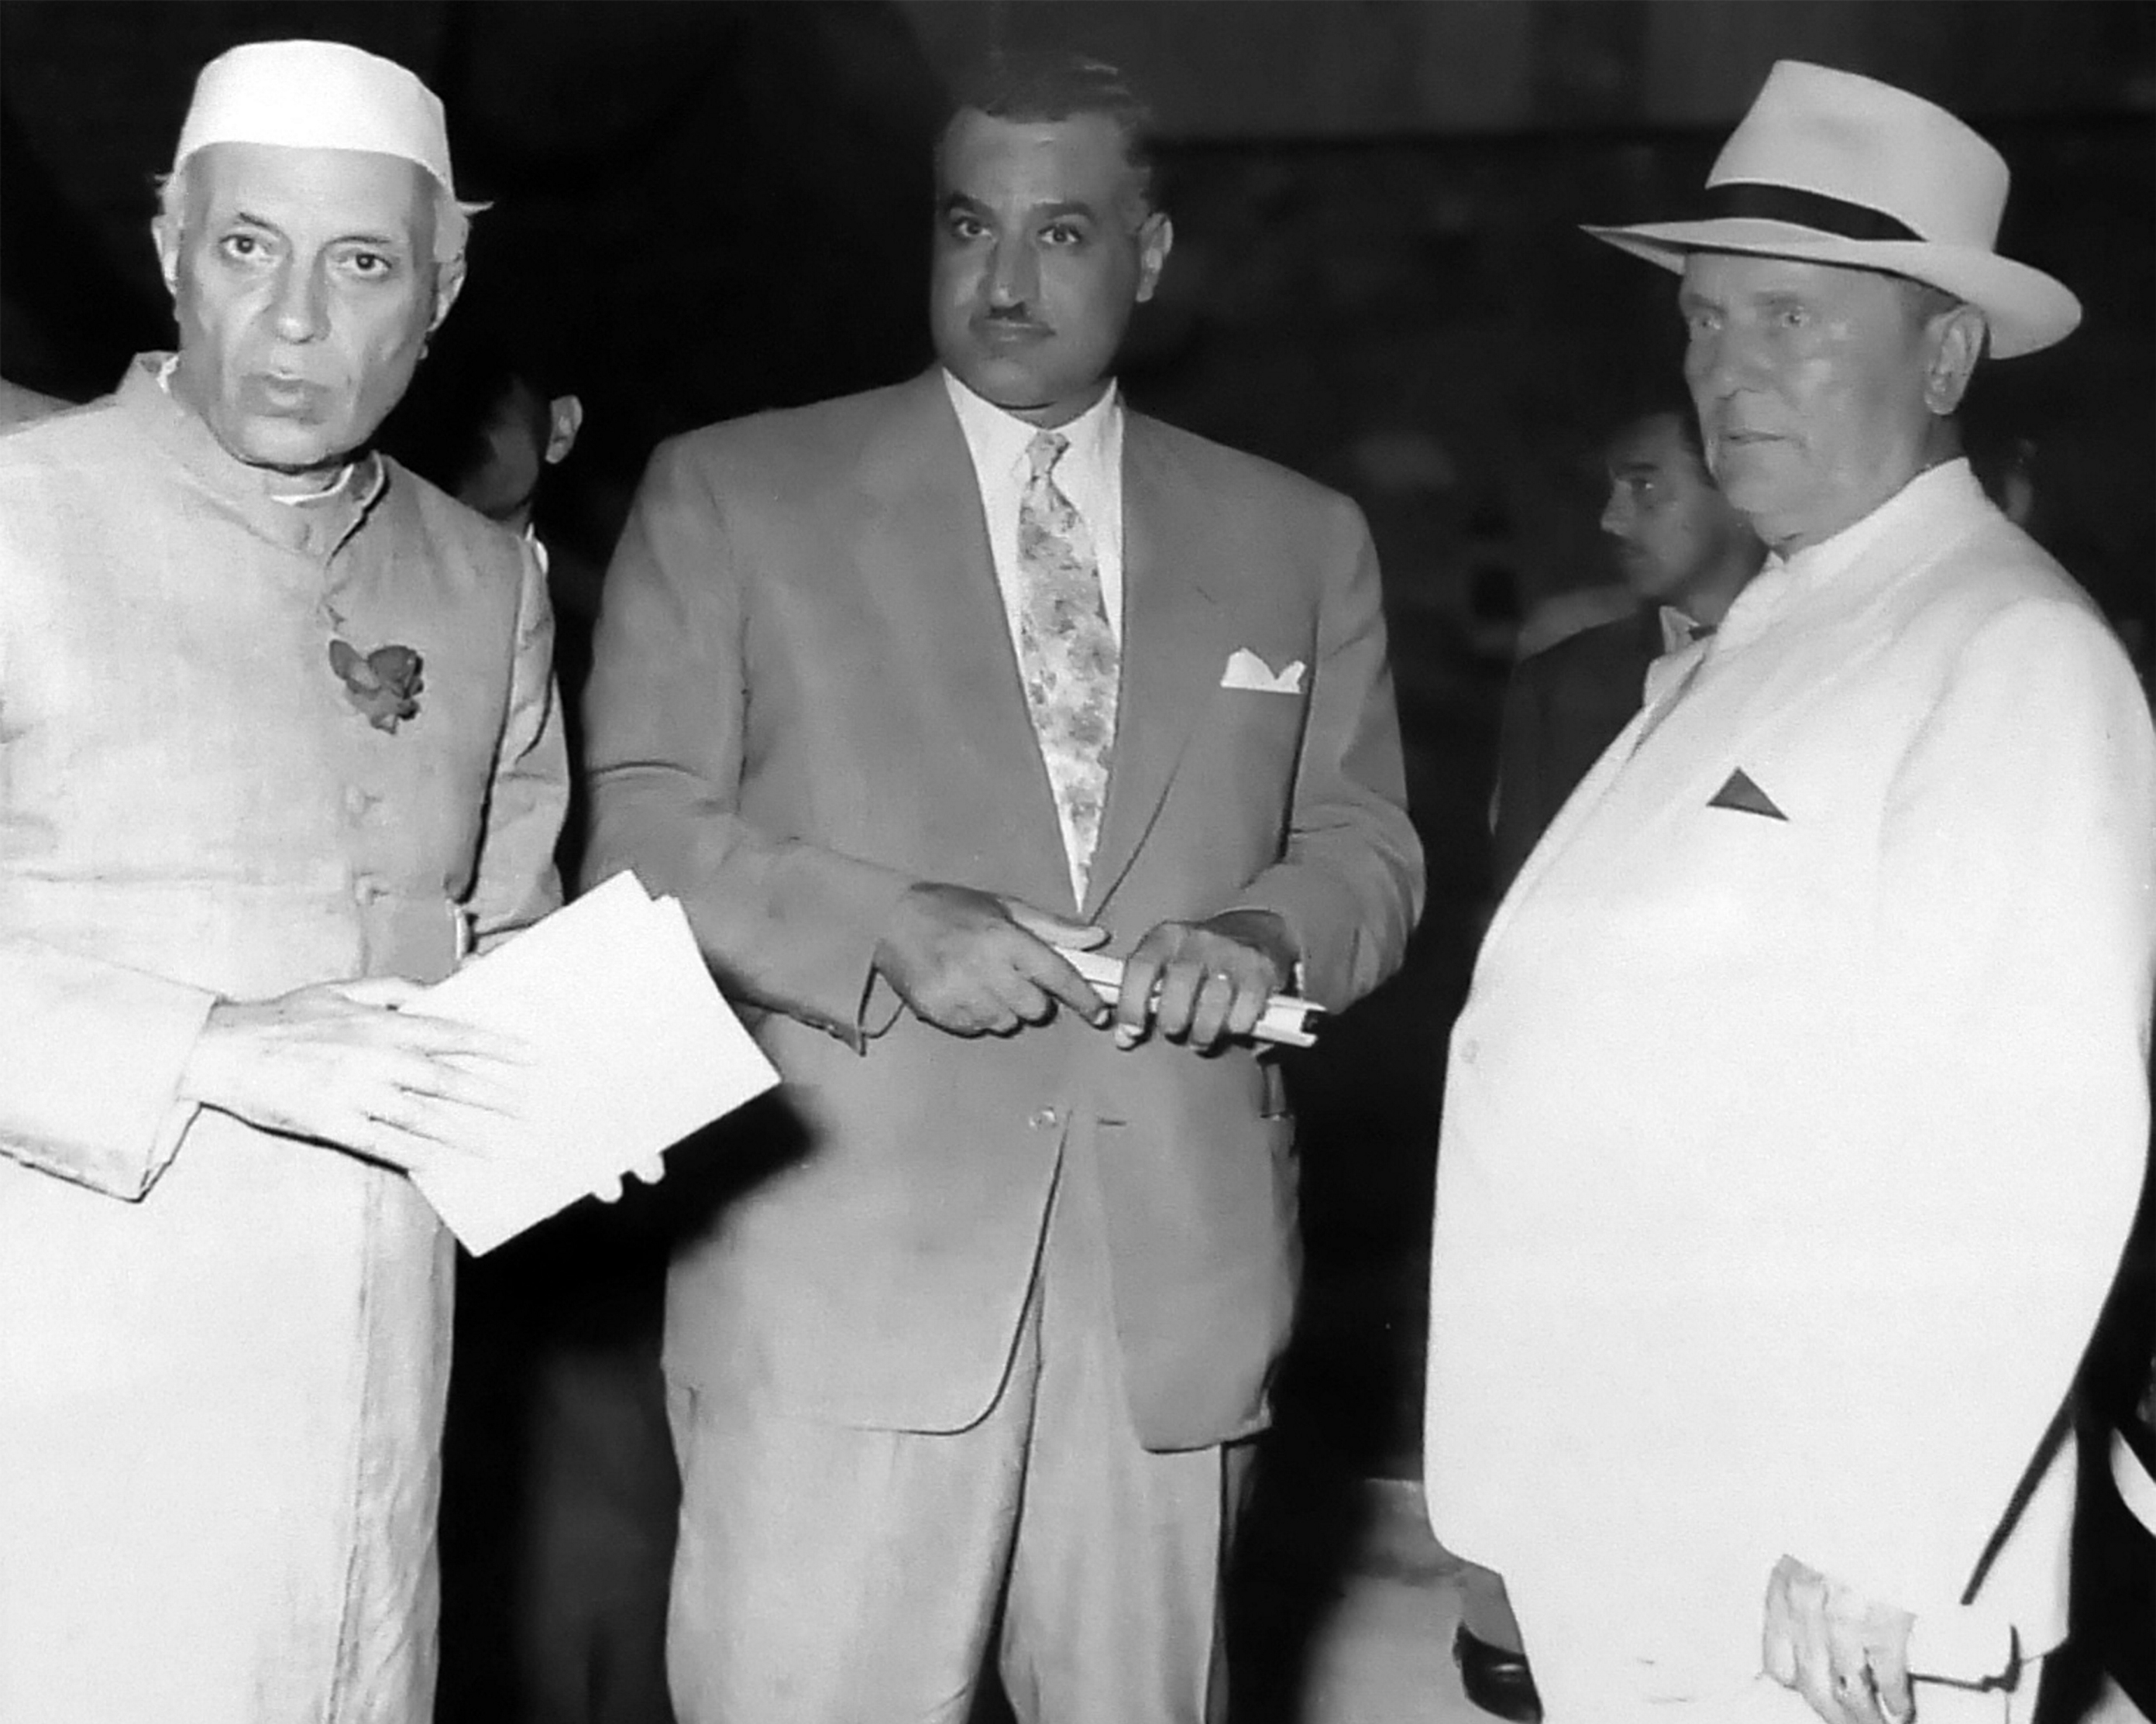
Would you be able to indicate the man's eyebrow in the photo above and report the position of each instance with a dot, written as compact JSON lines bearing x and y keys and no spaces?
{"x":384,"y":240}
{"x":952,"y":201}
{"x":1068,"y":207}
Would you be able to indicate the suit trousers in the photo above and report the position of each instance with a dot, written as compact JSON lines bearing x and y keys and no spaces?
{"x":832,"y":1575}
{"x":1586,"y":1674}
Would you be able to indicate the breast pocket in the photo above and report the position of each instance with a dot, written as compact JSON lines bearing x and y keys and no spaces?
{"x":1244,"y":753}
{"x":1750,"y":881}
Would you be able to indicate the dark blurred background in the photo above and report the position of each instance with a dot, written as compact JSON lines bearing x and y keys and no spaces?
{"x":705,"y":208}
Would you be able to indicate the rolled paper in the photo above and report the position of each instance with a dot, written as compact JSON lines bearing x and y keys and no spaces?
{"x":1285,"y":1022}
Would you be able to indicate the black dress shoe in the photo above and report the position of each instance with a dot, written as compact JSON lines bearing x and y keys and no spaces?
{"x":1497,"y":1678}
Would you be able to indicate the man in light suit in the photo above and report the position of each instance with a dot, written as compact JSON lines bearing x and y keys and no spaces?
{"x":1797,"y":1113}
{"x":901,"y":693}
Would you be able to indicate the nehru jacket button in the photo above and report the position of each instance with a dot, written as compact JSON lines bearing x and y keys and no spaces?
{"x":355,"y":800}
{"x":366,"y":890}
{"x":1469,"y":1050}
{"x":1042,"y":1119}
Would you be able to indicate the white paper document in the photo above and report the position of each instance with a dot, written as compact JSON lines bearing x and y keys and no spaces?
{"x":635,"y":1049}
{"x":1285,"y":1020}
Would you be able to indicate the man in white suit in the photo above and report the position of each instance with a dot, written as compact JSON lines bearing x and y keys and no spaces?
{"x":1799,"y":1107}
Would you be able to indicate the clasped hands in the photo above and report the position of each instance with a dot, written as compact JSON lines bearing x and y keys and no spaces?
{"x":975,"y":963}
{"x":1846,"y":1654}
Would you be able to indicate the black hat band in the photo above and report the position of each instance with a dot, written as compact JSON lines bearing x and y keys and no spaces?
{"x":1759,"y":202}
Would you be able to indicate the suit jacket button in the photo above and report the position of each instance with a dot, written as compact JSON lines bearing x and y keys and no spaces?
{"x":1042,"y":1119}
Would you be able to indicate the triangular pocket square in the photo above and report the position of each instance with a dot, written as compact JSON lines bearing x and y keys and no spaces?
{"x":1745,"y":796}
{"x":1247,"y":670}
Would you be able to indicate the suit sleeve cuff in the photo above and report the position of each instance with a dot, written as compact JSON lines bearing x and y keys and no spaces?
{"x":1967,"y":1644}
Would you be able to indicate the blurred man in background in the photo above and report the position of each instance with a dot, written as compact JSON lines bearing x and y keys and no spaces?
{"x":493,"y":425}
{"x":1686,"y":554}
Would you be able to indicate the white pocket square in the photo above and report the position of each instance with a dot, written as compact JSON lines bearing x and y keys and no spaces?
{"x":1247,"y":670}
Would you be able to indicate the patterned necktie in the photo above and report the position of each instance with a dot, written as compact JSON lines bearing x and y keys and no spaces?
{"x":1067,"y":653}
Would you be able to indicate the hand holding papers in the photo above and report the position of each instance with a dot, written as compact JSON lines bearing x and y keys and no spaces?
{"x":1285,"y":1022}
{"x":635,"y":1049}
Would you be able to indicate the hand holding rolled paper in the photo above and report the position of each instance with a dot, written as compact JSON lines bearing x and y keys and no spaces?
{"x":1285,"y":1021}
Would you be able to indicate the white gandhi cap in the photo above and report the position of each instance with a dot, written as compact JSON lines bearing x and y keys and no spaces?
{"x":317,"y":95}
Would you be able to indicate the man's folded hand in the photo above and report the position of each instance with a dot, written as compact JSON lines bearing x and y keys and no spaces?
{"x":1204,"y":982}
{"x":1847,"y":1655}
{"x":347,"y":1064}
{"x":974,"y":963}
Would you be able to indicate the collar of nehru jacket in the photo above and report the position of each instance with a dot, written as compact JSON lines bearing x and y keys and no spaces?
{"x":269,"y":502}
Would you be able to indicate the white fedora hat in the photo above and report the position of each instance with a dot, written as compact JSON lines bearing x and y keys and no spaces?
{"x":317,"y":95}
{"x":1834,"y":168}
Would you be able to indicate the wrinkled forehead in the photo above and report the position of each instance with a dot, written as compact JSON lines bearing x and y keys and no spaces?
{"x":312,"y":190}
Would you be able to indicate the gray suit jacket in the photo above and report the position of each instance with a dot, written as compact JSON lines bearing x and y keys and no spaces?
{"x":803,"y":699}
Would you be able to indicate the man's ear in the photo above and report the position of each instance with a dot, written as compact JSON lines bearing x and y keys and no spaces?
{"x":1156,"y":239}
{"x":449,"y":282}
{"x":565,"y":419}
{"x":1956,"y":341}
{"x":166,"y":235}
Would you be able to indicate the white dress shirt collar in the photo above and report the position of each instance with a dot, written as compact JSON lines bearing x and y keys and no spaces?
{"x":1000,"y":439}
{"x":1090,"y":474}
{"x":1679,"y":631}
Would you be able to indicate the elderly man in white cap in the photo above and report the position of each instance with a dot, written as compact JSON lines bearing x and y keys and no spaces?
{"x":1797,"y":1109}
{"x":277,"y":743}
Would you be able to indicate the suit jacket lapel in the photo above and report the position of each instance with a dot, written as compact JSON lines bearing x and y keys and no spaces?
{"x":921,"y":540}
{"x":1171,"y":653}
